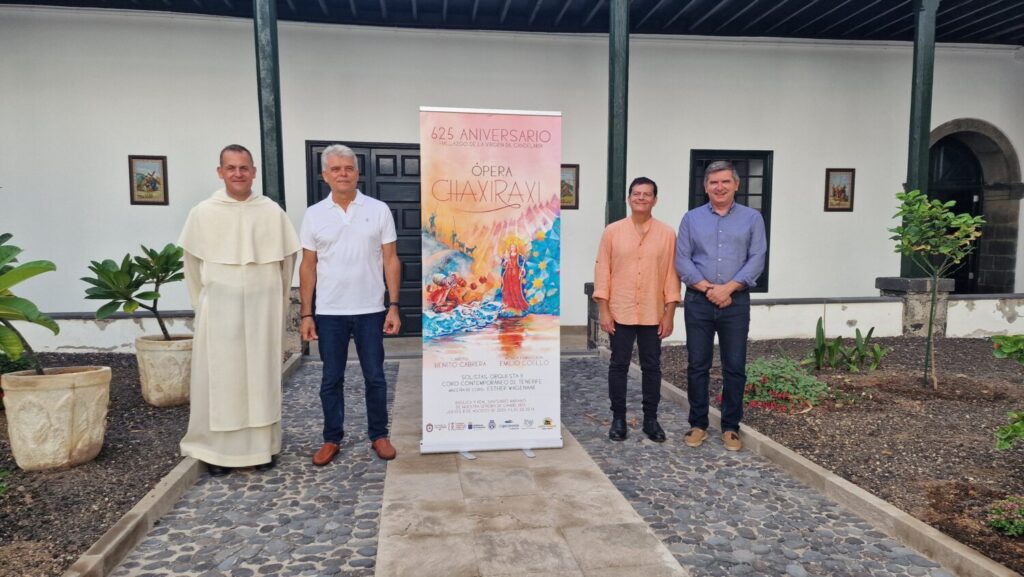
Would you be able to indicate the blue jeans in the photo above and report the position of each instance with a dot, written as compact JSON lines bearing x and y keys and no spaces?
{"x":368,"y":331}
{"x":703,"y":320}
{"x":649,"y":348}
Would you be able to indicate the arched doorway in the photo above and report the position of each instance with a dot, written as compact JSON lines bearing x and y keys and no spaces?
{"x":974,"y":163}
{"x":955,"y":174}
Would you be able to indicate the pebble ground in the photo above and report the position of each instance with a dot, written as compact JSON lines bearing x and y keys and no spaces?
{"x":294,"y":520}
{"x":723,"y":513}
{"x":720,"y":513}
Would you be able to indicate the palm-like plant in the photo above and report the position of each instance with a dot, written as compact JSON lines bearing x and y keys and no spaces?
{"x":14,"y":308}
{"x":122,"y":285}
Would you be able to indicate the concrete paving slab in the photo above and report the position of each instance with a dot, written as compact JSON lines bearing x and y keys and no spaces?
{"x":571,"y":455}
{"x":642,"y":571}
{"x":425,"y":518}
{"x":434,"y":556}
{"x":423,"y":487}
{"x":413,"y":463}
{"x":618,"y":545}
{"x":546,"y":510}
{"x":498,"y":483}
{"x":565,"y":480}
{"x":524,"y":551}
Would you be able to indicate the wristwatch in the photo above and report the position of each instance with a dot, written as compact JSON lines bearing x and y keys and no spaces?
{"x":395,"y":305}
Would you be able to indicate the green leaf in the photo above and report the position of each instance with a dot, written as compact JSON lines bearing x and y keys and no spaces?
{"x":130,"y":307}
{"x":8,"y":254}
{"x":108,"y":309}
{"x":10,"y":344}
{"x":25,"y":271}
{"x":148,"y":296}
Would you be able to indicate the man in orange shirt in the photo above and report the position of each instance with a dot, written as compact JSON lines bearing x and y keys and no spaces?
{"x":637,"y":290}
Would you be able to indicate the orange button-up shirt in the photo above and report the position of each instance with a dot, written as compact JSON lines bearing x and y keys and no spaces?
{"x":637,"y":275}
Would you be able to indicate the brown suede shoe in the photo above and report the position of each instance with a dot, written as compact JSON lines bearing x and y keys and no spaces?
{"x":695,"y":437}
{"x":384,"y":449}
{"x":325,"y":454}
{"x":732,"y":441}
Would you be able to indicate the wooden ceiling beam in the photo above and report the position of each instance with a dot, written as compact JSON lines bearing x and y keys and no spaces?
{"x":825,"y":15}
{"x":876,"y":17}
{"x":735,"y":16}
{"x":765,"y":15}
{"x":650,"y":12}
{"x":561,"y":13}
{"x":593,"y":12}
{"x":678,"y":15}
{"x":791,"y":16}
{"x":533,"y":15}
{"x":709,"y":14}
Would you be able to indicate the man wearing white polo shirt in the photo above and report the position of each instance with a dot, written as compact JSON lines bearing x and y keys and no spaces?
{"x":348,"y":239}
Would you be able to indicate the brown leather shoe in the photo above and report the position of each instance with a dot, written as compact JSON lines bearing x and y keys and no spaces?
{"x":695,"y":437}
{"x":384,"y":449}
{"x":732,"y":441}
{"x":325,"y":454}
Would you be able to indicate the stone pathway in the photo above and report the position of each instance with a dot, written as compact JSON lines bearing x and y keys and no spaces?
{"x":718,"y":513}
{"x":295,"y":520}
{"x":723,"y":513}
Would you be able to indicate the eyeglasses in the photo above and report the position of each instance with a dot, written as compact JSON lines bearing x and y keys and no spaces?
{"x":641,"y":195}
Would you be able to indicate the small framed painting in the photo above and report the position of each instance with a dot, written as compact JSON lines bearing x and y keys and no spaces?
{"x":570,"y":188}
{"x":839,"y":189}
{"x":147,"y":176}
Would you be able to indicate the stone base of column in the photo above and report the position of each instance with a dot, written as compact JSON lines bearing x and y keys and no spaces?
{"x":916,"y":295}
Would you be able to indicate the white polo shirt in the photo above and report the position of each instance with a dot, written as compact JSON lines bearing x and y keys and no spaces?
{"x":349,"y":253}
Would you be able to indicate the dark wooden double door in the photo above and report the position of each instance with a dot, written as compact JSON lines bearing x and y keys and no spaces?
{"x":390,"y":173}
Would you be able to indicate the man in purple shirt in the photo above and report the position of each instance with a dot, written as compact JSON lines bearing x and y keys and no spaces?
{"x":720,"y":252}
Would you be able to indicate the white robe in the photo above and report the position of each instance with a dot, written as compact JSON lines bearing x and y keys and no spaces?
{"x":239,"y":260}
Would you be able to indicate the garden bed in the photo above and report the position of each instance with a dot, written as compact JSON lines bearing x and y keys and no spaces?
{"x":930,"y":453}
{"x":48,"y":519}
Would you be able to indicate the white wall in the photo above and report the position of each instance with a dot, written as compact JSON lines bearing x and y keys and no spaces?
{"x":83,"y":89}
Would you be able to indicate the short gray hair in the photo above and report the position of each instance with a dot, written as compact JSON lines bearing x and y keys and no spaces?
{"x":719,"y":166}
{"x":338,"y":150}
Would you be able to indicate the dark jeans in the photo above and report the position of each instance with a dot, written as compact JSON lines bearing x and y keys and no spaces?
{"x":368,"y":332}
{"x":649,"y":347}
{"x":703,"y":320}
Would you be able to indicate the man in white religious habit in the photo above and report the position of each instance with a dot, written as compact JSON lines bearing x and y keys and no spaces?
{"x":240,"y":251}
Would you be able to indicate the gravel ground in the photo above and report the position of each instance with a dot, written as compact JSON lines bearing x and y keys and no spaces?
{"x":931,"y":453}
{"x":48,"y":519}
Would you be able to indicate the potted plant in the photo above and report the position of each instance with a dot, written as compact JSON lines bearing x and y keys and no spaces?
{"x":165,"y":360}
{"x":55,"y":417}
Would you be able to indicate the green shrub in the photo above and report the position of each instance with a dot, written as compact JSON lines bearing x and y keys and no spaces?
{"x":1008,"y":347}
{"x":832,"y":353}
{"x":781,"y":385}
{"x":1007,"y":516}
{"x":1006,"y":436}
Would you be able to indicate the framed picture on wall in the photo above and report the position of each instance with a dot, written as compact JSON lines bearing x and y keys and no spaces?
{"x":570,"y":189}
{"x":839,"y":189}
{"x":147,"y":178}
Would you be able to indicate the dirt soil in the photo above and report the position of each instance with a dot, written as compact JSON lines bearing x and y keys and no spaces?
{"x":931,"y":453}
{"x":48,"y":519}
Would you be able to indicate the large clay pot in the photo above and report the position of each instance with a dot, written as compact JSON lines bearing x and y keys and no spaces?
{"x":165,"y":369}
{"x":57,"y":419}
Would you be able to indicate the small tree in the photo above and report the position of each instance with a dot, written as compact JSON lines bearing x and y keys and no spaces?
{"x":937,"y":241}
{"x":123,"y":284}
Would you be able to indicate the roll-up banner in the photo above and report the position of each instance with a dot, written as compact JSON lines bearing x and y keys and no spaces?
{"x":491,"y":284}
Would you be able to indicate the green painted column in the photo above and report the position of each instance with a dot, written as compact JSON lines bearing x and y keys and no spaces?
{"x":920,"y":107}
{"x":921,"y":94}
{"x":269,"y":86}
{"x":618,"y":91}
